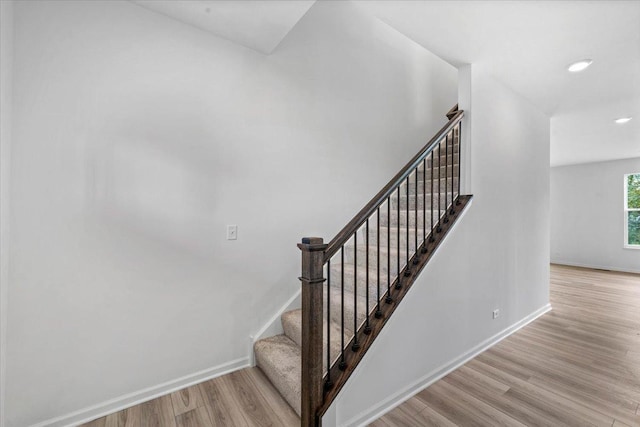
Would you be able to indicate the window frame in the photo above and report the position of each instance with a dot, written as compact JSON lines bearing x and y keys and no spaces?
{"x":627,"y":209}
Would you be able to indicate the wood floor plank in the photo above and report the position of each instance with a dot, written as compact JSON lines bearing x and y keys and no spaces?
{"x":111,"y":420}
{"x":411,"y":407}
{"x":130,"y":417}
{"x":198,"y":417}
{"x":403,"y":415}
{"x":429,"y":417}
{"x":255,"y":408}
{"x":477,"y":380}
{"x":100,"y":422}
{"x":186,"y":400}
{"x":464,"y":407}
{"x":607,"y":405}
{"x":566,"y":411}
{"x":381,"y":422}
{"x":279,"y":407}
{"x":222,"y":411}
{"x":552,"y":367}
{"x":157,"y":413}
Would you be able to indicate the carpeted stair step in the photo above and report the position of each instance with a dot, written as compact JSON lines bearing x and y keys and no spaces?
{"x":292,"y":325}
{"x":279,"y":357}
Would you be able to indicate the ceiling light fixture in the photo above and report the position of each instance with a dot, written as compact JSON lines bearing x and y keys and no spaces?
{"x":576,"y":67}
{"x":623,"y":120}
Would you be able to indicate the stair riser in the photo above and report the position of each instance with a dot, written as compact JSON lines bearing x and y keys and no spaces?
{"x":425,"y":186}
{"x":393,"y":220}
{"x":445,"y":200}
{"x":391,"y":243}
{"x":350,"y":254}
{"x":362,"y":280}
{"x":444,"y":172}
{"x":349,"y":272}
{"x":456,"y":147}
{"x":336,"y":313}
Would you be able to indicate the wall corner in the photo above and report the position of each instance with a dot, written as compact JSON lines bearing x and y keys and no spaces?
{"x":464,"y":103}
{"x":6,"y":100}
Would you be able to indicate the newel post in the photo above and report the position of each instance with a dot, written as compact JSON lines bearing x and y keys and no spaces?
{"x":312,"y":282}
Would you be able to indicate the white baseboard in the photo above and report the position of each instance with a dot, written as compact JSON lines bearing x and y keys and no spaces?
{"x":595,"y":266}
{"x":141,"y":396}
{"x":396,"y":399}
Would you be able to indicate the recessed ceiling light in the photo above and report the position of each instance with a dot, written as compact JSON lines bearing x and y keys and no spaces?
{"x":579,"y":66}
{"x":623,"y":120}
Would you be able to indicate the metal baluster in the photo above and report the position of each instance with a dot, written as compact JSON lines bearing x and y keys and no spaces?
{"x":459,"y":164}
{"x":367,"y":328}
{"x":446,"y":177}
{"x":356,"y":344}
{"x":439,"y":228}
{"x":407,"y":273}
{"x":398,"y":284}
{"x":415,"y":236}
{"x":431,"y":237}
{"x":452,"y":211}
{"x":328,"y":383}
{"x":388,"y":299}
{"x":343,"y":363}
{"x":424,"y":206}
{"x":378,"y":311}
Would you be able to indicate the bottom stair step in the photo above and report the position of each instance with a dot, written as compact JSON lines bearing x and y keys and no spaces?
{"x":280,"y":359}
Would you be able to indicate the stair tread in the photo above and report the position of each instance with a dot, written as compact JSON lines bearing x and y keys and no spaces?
{"x":279,"y":357}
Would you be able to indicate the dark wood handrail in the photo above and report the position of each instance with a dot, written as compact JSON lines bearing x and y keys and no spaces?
{"x":345,"y":234}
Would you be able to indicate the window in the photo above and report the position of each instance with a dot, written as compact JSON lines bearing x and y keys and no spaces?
{"x":632,"y":211}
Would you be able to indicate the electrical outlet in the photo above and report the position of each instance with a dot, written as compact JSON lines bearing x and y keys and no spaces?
{"x":496,"y":313}
{"x":232,"y":232}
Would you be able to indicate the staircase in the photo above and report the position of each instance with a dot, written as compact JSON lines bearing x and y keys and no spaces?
{"x":351,"y":286}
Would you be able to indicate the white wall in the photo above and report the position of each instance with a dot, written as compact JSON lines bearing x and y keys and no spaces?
{"x":137,"y":139}
{"x":587,"y":215}
{"x":497,"y":256}
{"x":6,"y":66}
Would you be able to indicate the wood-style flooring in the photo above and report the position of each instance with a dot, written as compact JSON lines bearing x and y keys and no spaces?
{"x":578,"y":365}
{"x":242,"y":398}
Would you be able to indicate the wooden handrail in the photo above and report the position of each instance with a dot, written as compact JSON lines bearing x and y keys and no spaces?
{"x":345,"y":234}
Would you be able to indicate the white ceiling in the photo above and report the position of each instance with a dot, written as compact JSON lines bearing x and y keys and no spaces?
{"x":525,"y":44}
{"x":259,"y":25}
{"x":528,"y":45}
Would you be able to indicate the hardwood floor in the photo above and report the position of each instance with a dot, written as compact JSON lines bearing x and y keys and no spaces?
{"x":578,"y":365}
{"x":242,"y":398}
